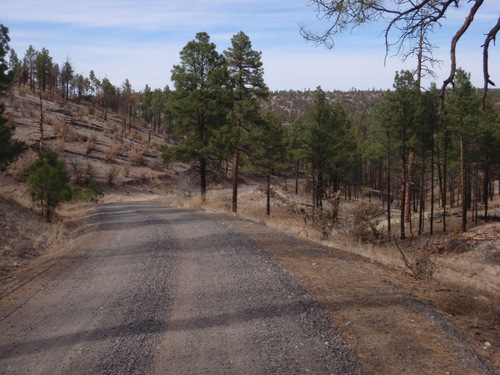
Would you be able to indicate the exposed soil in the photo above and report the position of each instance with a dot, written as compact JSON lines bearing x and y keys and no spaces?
{"x":381,"y":312}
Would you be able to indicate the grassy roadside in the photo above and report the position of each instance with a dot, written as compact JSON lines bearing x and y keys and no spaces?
{"x":463,"y":287}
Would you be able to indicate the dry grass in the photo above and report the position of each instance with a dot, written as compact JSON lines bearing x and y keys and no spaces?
{"x":449,"y":256}
{"x":136,"y":156}
{"x":461,"y":279}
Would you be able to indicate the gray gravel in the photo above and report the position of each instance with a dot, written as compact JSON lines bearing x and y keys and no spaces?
{"x":167,"y":291}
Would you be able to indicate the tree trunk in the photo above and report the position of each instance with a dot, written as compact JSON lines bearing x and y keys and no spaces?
{"x":403,"y":197}
{"x":431,"y":224}
{"x":486,"y":184}
{"x":462,"y":185}
{"x":42,"y":145}
{"x":445,"y":183}
{"x":388,"y":187}
{"x":319,"y":189}
{"x":236,"y":159}
{"x":409,"y":179}
{"x":203,"y":179}
{"x":422,"y":195}
{"x":297,"y":176}
{"x":268,"y":195}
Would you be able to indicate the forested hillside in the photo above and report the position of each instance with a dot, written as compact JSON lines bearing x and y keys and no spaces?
{"x":416,"y":154}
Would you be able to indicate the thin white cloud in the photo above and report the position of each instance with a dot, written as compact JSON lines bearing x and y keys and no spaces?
{"x":141,"y":40}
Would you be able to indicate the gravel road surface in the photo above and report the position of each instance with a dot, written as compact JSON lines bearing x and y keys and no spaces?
{"x":150,"y":289}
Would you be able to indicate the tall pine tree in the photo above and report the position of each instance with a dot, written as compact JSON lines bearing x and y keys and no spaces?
{"x":199,"y":104}
{"x":270,"y":151}
{"x":247,"y":78}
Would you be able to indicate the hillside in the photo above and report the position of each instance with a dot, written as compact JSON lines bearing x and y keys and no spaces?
{"x":91,"y":147}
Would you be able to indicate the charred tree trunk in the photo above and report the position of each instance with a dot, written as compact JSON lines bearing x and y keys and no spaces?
{"x":297,"y":176}
{"x":431,"y":224}
{"x":42,"y":144}
{"x":463,"y":192}
{"x":268,"y":195}
{"x":203,"y":179}
{"x":403,"y":197}
{"x":409,"y":179}
{"x":236,"y":160}
{"x":486,"y":184}
{"x":422,"y":195}
{"x":388,"y":187}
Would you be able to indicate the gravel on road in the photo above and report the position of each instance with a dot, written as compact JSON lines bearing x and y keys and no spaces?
{"x":149,"y":289}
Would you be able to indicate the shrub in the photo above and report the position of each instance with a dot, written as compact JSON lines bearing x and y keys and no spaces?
{"x":111,"y":153}
{"x":83,"y":176}
{"x":112,"y":174}
{"x":89,"y":146}
{"x":325,"y":218}
{"x":366,"y":221}
{"x":136,"y":156}
{"x":418,"y":258}
{"x":60,"y":144}
{"x":93,"y":194}
{"x":49,"y":183}
{"x":72,"y":136}
{"x":20,"y":169}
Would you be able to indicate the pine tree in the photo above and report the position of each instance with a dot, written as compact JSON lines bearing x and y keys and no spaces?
{"x":247,"y":77}
{"x":49,"y":183}
{"x":320,"y":141}
{"x":43,"y":68}
{"x":396,"y":117}
{"x":463,"y":116}
{"x":269,"y":151}
{"x":199,"y":104}
{"x":9,"y":148}
{"x":29,"y":63}
{"x":296,"y":137}
{"x":66,"y":77}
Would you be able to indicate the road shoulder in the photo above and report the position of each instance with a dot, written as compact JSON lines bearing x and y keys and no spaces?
{"x":390,"y":330}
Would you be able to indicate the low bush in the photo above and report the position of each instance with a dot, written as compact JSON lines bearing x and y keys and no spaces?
{"x":366,"y":221}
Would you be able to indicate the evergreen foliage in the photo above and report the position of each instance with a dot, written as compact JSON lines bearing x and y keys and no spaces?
{"x":247,"y":82}
{"x":411,"y":148}
{"x":270,"y":152}
{"x":49,"y":183}
{"x":200,"y":103}
{"x":9,"y":148}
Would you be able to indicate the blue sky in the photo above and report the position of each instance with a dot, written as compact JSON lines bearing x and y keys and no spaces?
{"x":141,"y":40}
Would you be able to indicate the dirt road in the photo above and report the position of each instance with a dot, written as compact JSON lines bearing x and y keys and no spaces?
{"x":156,"y":290}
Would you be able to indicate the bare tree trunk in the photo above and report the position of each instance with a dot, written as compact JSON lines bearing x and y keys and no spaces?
{"x":486,"y":184}
{"x":409,"y":179}
{"x":445,"y":183}
{"x":476,"y":193}
{"x":203,"y":179}
{"x":297,"y":176}
{"x":236,"y":159}
{"x":403,"y":197}
{"x":388,"y":187}
{"x":431,"y":224}
{"x":42,"y":145}
{"x":422,"y":195}
{"x":268,"y":195}
{"x":462,"y":185}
